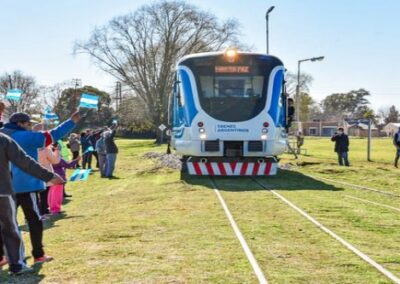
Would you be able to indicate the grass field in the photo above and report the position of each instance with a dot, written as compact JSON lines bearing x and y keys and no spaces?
{"x":149,"y":226}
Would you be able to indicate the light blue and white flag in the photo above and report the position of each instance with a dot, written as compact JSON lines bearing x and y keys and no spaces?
{"x":50,"y":116}
{"x":14,"y":94}
{"x":89,"y":149}
{"x":89,"y":101}
{"x":80,"y":174}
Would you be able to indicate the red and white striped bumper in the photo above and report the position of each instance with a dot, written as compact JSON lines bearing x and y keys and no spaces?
{"x":232,"y":168}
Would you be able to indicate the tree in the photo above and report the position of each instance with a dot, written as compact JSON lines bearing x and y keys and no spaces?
{"x":30,"y":92}
{"x":343,"y":105}
{"x":291,"y":82}
{"x":69,"y":101}
{"x":140,"y":49}
{"x":391,"y":116}
{"x":367,"y":113}
{"x":133,"y":114}
{"x":309,"y":109}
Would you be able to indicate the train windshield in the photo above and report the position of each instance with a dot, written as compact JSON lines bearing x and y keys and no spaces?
{"x":232,"y":92}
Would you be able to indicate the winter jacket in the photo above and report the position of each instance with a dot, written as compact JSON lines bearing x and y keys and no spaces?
{"x":396,"y":139}
{"x":341,"y":143}
{"x":47,"y":159}
{"x":111,"y":147}
{"x":101,"y":146}
{"x":62,"y":165}
{"x":31,"y":142}
{"x":11,"y":151}
{"x":74,"y":144}
{"x":86,"y":143}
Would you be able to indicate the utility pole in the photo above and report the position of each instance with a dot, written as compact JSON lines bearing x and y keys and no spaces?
{"x":10,"y":81}
{"x":313,"y":59}
{"x":76,"y":83}
{"x":267,"y":26}
{"x":118,"y":95}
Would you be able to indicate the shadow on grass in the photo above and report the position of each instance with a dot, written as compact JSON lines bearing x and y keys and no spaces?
{"x":51,"y":222}
{"x":284,"y":180}
{"x":30,"y":278}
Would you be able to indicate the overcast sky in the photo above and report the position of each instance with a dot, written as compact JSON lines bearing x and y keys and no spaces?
{"x":360,"y":39}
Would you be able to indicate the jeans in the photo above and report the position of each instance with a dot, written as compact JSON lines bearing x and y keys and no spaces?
{"x":87,"y":160}
{"x":396,"y":159}
{"x":111,"y":158}
{"x":343,"y":156}
{"x":103,"y":164}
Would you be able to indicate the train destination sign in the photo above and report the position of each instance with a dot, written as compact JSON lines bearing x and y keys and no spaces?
{"x":232,"y":69}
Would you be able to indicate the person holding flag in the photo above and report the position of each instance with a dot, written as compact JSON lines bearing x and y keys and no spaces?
{"x":9,"y":232}
{"x":26,"y":186}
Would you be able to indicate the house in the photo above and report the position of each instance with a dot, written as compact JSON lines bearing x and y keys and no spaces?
{"x":391,"y":128}
{"x":320,"y":128}
{"x":361,"y":130}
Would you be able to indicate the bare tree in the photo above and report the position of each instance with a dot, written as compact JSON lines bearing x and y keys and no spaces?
{"x":291,"y":82}
{"x":30,"y":92}
{"x":141,"y":49}
{"x":52,"y":94}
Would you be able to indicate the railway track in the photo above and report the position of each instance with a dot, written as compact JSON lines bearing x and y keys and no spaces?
{"x":250,"y":256}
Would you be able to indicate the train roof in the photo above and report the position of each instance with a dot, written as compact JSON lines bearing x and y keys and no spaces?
{"x":203,"y":54}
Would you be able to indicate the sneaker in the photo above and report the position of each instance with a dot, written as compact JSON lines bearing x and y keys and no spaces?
{"x":3,"y":261}
{"x":24,"y":270}
{"x":45,"y":258}
{"x":45,"y":217}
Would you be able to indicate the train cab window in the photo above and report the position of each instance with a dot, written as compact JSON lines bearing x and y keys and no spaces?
{"x":179,"y":92}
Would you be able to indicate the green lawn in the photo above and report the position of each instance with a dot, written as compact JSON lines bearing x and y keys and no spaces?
{"x":151,"y":227}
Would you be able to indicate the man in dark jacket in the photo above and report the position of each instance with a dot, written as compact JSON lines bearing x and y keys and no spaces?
{"x":341,"y":146}
{"x":11,"y":152}
{"x":396,"y":143}
{"x":111,"y":149}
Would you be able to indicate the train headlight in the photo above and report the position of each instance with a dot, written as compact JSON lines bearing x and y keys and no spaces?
{"x":264,"y":130}
{"x":231,"y":54}
{"x":203,"y":136}
{"x":202,"y":130}
{"x":264,"y":137}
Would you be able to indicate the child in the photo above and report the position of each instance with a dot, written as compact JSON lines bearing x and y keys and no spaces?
{"x":56,"y":191}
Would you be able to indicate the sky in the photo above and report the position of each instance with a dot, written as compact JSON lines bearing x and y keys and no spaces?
{"x":360,"y":40}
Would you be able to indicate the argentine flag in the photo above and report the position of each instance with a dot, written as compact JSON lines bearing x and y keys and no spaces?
{"x":14,"y":94}
{"x":80,"y":174}
{"x":89,"y":149}
{"x":50,"y":116}
{"x":89,"y":101}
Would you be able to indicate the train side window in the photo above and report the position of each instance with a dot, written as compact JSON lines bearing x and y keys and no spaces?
{"x":179,"y":91}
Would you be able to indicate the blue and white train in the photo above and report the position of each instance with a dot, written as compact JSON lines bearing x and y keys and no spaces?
{"x":228,"y":113}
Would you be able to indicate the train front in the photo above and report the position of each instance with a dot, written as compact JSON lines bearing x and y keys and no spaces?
{"x":228,"y":113}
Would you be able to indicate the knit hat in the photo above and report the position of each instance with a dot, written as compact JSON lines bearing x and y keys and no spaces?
{"x":20,"y":117}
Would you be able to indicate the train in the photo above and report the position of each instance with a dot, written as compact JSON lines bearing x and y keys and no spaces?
{"x":228,"y":113}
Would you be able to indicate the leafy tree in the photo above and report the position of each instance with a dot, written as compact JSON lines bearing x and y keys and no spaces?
{"x":30,"y":97}
{"x":309,"y":109}
{"x":141,"y":49}
{"x":392,"y":116}
{"x":69,"y":101}
{"x":343,"y":105}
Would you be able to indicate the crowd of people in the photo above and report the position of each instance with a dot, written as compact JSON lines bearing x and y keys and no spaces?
{"x":33,"y":177}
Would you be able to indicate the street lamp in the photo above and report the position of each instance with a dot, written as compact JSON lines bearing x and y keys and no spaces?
{"x":266,"y":22}
{"x":313,"y":59}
